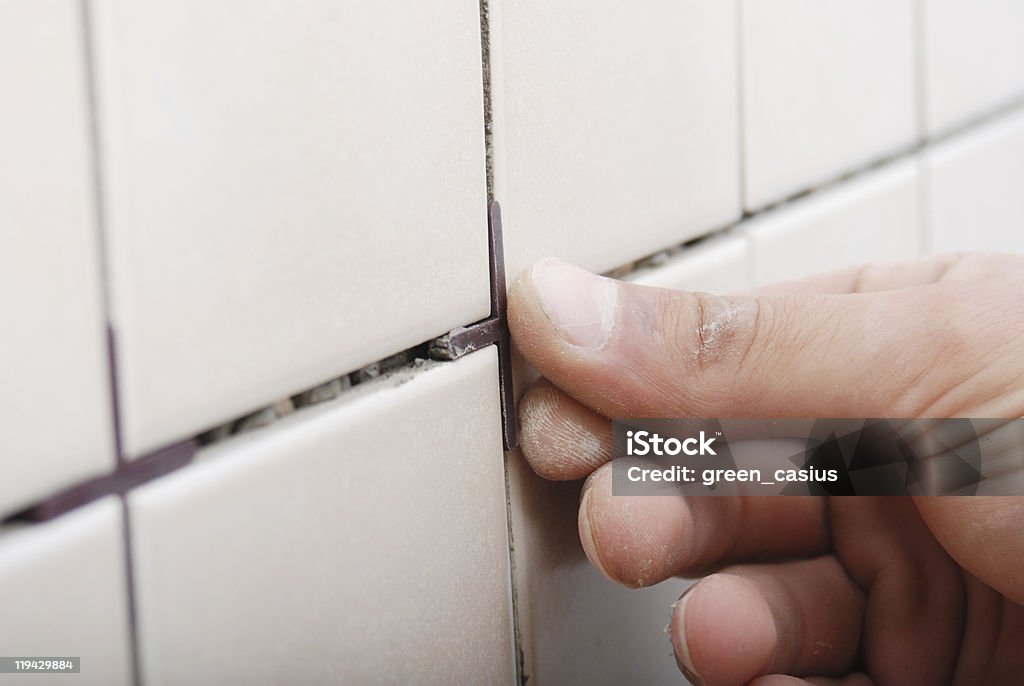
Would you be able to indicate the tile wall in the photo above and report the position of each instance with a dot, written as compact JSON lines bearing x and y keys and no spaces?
{"x":274,"y":206}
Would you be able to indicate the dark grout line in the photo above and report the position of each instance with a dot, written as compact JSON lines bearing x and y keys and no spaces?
{"x":133,"y":604}
{"x":77,"y":496}
{"x":126,"y":476}
{"x":499,"y":316}
{"x":96,"y":149}
{"x":485,"y":61}
{"x":323,"y":392}
{"x":899,"y":155}
{"x":665,"y":255}
{"x":904,"y":154}
{"x":517,"y":631}
{"x":130,"y":473}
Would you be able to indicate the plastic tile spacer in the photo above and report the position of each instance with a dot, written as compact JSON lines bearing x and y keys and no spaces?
{"x":490,"y":331}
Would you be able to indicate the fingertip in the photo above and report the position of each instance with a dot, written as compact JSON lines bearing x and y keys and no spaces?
{"x":604,"y":342}
{"x":561,"y":439}
{"x":723,"y":631}
{"x":535,"y":419}
{"x":520,"y":307}
{"x":531,"y":330}
{"x":639,"y":540}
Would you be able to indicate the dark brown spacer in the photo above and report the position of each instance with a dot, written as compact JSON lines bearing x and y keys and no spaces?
{"x":490,"y":331}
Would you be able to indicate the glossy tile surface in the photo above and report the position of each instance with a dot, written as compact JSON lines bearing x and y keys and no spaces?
{"x":54,"y":403}
{"x":827,"y":87}
{"x":578,"y":627}
{"x":292,"y":192}
{"x":615,"y":126}
{"x":973,"y":58}
{"x":975,"y":189}
{"x":876,"y":217}
{"x":360,"y":541}
{"x":64,"y":594}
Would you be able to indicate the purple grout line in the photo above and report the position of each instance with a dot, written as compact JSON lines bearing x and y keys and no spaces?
{"x":130,"y":473}
{"x":127,"y":475}
{"x":98,"y":488}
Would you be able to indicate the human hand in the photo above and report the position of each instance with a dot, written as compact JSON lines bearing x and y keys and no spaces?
{"x":861,"y":590}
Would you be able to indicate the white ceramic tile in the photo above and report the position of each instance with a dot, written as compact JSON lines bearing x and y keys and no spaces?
{"x":718,"y":265}
{"x":615,"y":126}
{"x":64,"y":594}
{"x":577,"y":627}
{"x":973,"y":58}
{"x":875,"y":217}
{"x":360,"y":541}
{"x":54,"y":406}
{"x":827,"y":87}
{"x":292,"y":191}
{"x":975,"y":189}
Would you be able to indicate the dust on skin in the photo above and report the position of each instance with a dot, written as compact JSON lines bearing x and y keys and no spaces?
{"x":564,"y":445}
{"x":632,"y":516}
{"x":720,"y":320}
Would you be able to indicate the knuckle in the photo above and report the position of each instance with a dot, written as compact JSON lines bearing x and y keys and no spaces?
{"x":714,"y":332}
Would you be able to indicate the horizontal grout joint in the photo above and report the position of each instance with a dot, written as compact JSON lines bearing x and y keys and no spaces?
{"x":128,"y":475}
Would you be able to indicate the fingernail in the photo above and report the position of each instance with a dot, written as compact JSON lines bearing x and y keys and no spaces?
{"x":579,"y":304}
{"x":586,"y":534}
{"x":679,"y":644}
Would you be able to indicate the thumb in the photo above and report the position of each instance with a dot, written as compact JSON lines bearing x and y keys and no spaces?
{"x":633,"y":351}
